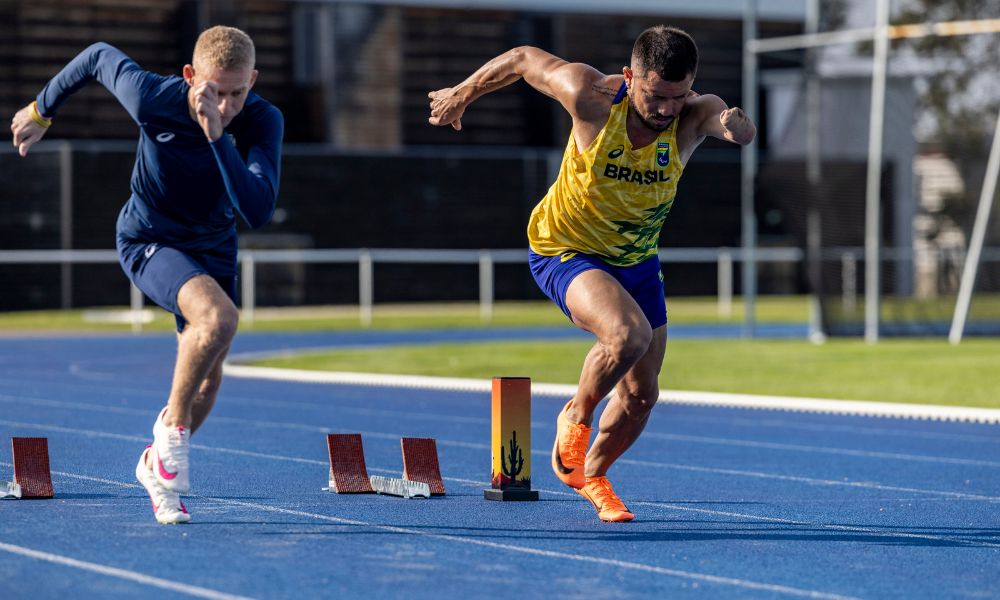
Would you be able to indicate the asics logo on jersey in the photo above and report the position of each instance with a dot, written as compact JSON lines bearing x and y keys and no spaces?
{"x":150,"y":250}
{"x":566,"y":256}
{"x":166,"y":136}
{"x":616,"y":152}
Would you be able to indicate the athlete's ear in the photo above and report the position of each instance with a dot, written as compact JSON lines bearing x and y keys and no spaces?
{"x":627,"y":72}
{"x":188,"y":72}
{"x":253,"y":78}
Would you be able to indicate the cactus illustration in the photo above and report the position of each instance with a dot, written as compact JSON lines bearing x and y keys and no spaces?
{"x":513,"y":468}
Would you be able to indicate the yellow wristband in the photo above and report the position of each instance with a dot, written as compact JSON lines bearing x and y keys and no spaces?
{"x":37,"y":116}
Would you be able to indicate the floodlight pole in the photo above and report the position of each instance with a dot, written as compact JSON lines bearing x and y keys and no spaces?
{"x":814,"y":234}
{"x":978,"y":237}
{"x":872,"y":194}
{"x":749,"y":171}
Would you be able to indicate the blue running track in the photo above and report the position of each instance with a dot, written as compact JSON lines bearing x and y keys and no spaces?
{"x":729,"y":503}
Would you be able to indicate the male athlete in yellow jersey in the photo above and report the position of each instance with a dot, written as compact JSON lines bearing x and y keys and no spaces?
{"x":594,"y":235}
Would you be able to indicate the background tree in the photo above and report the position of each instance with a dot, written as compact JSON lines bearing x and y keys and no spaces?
{"x":959,"y":85}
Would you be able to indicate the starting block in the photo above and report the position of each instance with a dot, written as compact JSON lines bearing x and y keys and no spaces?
{"x":400,"y":487}
{"x":348,"y":473}
{"x":420,"y":463}
{"x":32,"y":477}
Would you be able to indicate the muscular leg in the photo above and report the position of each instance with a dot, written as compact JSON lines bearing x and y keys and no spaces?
{"x":204,"y":399}
{"x":628,"y":410}
{"x":212,"y":319}
{"x":601,"y":306}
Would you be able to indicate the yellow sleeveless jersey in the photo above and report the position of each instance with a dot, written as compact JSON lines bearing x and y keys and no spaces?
{"x":610,"y":200}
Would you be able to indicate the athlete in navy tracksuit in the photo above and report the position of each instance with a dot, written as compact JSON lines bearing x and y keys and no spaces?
{"x":209,"y":149}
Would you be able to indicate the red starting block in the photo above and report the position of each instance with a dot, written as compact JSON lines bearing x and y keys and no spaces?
{"x":420,"y":463}
{"x":348,"y":473}
{"x":31,"y":467}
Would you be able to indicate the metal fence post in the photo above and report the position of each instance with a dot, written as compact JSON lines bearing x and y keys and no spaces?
{"x":849,"y":282}
{"x":725,"y":287}
{"x":366,"y":285}
{"x":135,"y":302}
{"x":66,"y":221}
{"x":748,"y":256}
{"x":486,"y":286}
{"x":248,"y":271}
{"x":873,"y":197}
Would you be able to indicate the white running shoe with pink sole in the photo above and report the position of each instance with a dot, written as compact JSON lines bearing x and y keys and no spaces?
{"x":167,"y":506}
{"x":170,"y":456}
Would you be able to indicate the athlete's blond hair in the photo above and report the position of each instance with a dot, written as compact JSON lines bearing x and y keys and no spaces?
{"x":224,"y":48}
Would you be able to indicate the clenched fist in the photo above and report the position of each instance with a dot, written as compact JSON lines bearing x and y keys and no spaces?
{"x":205,"y":104}
{"x":26,"y":129}
{"x":738,"y":126}
{"x":446,"y":108}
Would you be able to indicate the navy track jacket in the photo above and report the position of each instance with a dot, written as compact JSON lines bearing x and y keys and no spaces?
{"x":186,"y":191}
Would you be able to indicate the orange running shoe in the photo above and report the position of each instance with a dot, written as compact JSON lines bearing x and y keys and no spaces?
{"x":570,"y":450}
{"x":609,"y":506}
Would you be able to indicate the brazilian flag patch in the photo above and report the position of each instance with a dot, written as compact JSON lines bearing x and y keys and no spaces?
{"x":662,"y":154}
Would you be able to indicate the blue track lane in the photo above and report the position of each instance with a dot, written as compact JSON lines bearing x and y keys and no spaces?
{"x":729,"y":503}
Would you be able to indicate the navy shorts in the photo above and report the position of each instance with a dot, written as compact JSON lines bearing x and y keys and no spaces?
{"x":160,"y":271}
{"x":644,"y":281}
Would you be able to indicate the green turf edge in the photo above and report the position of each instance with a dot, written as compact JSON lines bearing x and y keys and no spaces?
{"x":918,"y":371}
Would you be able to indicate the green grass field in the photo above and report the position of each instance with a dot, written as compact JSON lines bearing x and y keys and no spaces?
{"x":919,"y":371}
{"x":405,"y":316}
{"x":895,"y":370}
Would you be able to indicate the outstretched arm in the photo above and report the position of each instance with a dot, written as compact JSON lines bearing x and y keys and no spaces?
{"x":103,"y":62}
{"x":708,"y":115}
{"x":724,"y":123}
{"x":569,"y":83}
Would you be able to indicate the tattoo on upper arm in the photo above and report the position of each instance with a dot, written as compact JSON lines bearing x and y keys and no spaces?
{"x":606,"y":91}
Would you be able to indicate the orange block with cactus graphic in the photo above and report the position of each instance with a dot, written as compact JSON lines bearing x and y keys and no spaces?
{"x":511,"y":439}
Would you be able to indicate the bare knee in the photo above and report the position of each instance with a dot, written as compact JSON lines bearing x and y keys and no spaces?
{"x":222,"y":323}
{"x":216,"y":325}
{"x":628,"y":343}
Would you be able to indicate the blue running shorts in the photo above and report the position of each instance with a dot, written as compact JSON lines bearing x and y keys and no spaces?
{"x":644,"y":281}
{"x":160,"y":271}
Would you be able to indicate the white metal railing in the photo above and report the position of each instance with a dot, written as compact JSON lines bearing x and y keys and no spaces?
{"x":367,"y":258}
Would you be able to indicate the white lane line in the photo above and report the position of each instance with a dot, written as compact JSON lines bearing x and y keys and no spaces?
{"x":725,"y":400}
{"x":831,"y":427}
{"x":78,"y":431}
{"x":821,"y":449}
{"x":542,"y":453}
{"x":655,"y":505}
{"x":262,"y":402}
{"x":807,"y":480}
{"x":764,"y":518}
{"x":607,"y":562}
{"x":648,"y":434}
{"x":165,"y":584}
{"x":274,"y":403}
{"x":22,"y":400}
{"x":849,"y":528}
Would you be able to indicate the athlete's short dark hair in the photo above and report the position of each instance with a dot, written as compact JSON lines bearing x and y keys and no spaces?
{"x":668,"y":51}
